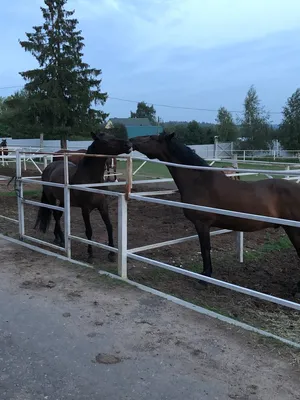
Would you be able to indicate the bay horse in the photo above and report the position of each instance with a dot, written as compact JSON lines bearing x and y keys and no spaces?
{"x":270,"y":197}
{"x":88,"y":170}
{"x":74,"y":158}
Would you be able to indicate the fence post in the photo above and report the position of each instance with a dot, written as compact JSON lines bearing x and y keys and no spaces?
{"x":240,"y":246}
{"x":244,"y":155}
{"x":215,"y":147}
{"x":287,"y":168}
{"x":67,"y":221}
{"x":19,"y":191}
{"x":45,"y":162}
{"x":129,"y":176}
{"x":235,"y":161}
{"x":122,"y":236}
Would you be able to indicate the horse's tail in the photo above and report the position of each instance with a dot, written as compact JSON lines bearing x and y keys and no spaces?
{"x":12,"y":179}
{"x":44,"y":215}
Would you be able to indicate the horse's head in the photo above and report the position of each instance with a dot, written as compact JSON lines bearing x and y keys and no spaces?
{"x":3,"y":143}
{"x":154,"y":146}
{"x":105,"y":143}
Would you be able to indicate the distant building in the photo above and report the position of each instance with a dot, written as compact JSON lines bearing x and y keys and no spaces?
{"x":135,"y":126}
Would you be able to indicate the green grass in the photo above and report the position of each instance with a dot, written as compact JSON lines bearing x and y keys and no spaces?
{"x":153,"y":170}
{"x":31,"y":193}
{"x":269,"y":246}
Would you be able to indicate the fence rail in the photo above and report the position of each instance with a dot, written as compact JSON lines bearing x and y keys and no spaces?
{"x":122,"y":250}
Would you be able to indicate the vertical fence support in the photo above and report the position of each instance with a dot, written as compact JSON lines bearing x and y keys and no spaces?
{"x":19,"y":191}
{"x":129,"y":176}
{"x":45,"y":161}
{"x":240,"y":246}
{"x":122,"y":236}
{"x":287,"y":168}
{"x":67,"y":219}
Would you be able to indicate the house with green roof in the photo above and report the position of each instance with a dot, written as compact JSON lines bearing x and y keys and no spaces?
{"x":135,"y":126}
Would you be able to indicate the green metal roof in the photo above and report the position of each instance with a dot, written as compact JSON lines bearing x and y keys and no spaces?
{"x":133,"y":131}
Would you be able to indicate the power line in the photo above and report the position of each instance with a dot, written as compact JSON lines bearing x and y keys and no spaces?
{"x":159,"y":105}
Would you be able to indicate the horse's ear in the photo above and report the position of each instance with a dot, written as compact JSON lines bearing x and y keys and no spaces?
{"x":170,"y":135}
{"x":94,"y":136}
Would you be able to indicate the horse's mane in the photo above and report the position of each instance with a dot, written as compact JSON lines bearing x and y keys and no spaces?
{"x":185,"y":154}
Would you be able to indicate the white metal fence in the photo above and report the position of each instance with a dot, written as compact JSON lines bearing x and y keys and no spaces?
{"x":149,"y":197}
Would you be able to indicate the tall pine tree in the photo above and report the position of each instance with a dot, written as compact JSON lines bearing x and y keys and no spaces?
{"x":64,"y":90}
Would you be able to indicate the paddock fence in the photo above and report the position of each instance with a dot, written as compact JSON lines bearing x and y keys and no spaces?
{"x":124,"y":253}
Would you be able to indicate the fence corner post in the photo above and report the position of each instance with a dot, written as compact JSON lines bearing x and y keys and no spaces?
{"x":19,"y":191}
{"x":122,"y":236}
{"x":67,"y":218}
{"x":240,"y":246}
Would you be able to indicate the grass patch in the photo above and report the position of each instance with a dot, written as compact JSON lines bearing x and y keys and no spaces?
{"x":283,"y":243}
{"x":31,"y":193}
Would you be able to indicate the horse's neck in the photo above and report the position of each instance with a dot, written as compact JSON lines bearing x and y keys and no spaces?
{"x":183,"y":176}
{"x":90,"y":170}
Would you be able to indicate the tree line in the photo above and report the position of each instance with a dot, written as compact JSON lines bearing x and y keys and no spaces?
{"x":62,"y":97}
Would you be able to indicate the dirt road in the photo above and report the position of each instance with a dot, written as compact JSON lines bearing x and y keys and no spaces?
{"x":67,"y":333}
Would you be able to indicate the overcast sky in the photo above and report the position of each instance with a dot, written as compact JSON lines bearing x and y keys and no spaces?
{"x":190,"y":53}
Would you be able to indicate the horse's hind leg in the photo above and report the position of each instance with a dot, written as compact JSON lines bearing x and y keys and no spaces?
{"x":204,"y":239}
{"x":294,"y":236}
{"x":88,"y":230}
{"x":58,"y":233}
{"x":103,"y":209}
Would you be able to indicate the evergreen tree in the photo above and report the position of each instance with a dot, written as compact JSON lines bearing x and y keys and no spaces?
{"x":144,"y":111}
{"x":289,"y":129}
{"x":255,"y":123}
{"x":63,"y":89}
{"x":226,"y":128}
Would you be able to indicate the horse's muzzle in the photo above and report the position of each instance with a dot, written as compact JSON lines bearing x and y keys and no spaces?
{"x":128,"y":147}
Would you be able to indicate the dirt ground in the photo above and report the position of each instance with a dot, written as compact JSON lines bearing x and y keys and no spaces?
{"x":67,"y":331}
{"x":270,"y":263}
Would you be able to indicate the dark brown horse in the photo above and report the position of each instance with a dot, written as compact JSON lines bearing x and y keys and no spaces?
{"x":88,"y":170}
{"x":271,"y":197}
{"x":111,"y":162}
{"x":3,"y":149}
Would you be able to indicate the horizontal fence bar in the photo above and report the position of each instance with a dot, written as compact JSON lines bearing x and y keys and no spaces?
{"x":226,"y":285}
{"x":221,"y":211}
{"x":45,"y":183}
{"x":10,"y":219}
{"x":174,"y":241}
{"x":157,"y":193}
{"x":93,"y":243}
{"x":43,"y":243}
{"x":194,"y":167}
{"x":97,"y":191}
{"x":38,"y":204}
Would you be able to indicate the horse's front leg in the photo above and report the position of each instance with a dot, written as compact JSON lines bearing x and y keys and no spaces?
{"x":103,"y":209}
{"x":204,"y":239}
{"x":88,"y":230}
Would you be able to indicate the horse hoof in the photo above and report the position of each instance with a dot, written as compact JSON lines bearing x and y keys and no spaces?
{"x":111,"y":257}
{"x":90,"y":259}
